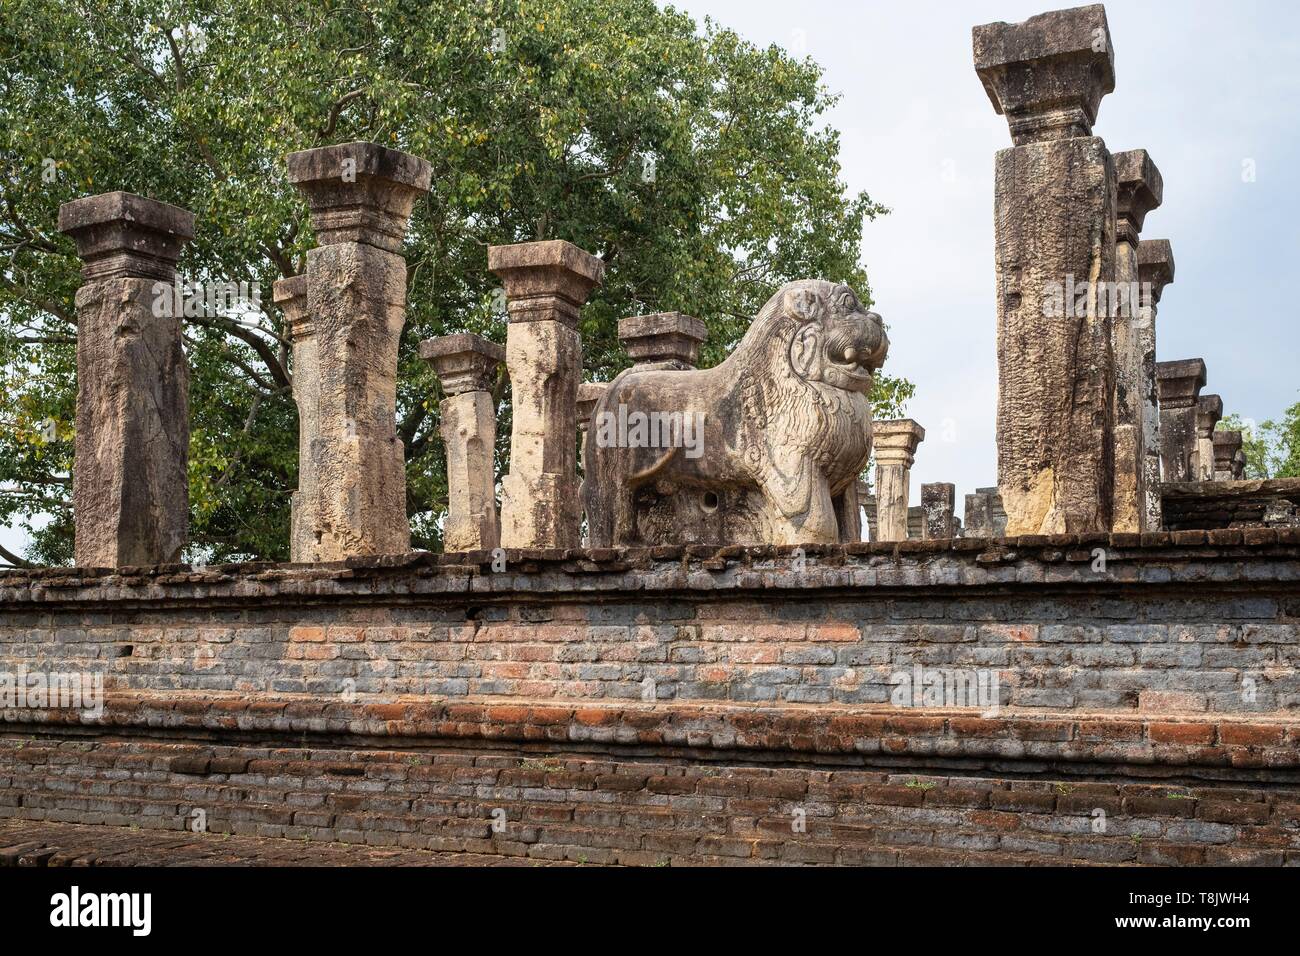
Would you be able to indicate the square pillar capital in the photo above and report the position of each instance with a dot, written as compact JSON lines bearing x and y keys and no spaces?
{"x":589,"y":395}
{"x":291,"y":295}
{"x":545,"y":281}
{"x":663,"y":339}
{"x":1227,"y":446}
{"x":1209,"y":409}
{"x":359,"y":192}
{"x":895,"y":442}
{"x":1180,"y":382}
{"x":1155,"y":265}
{"x":1047,"y":75}
{"x":463,"y":362}
{"x":1140,"y":190}
{"x":122,"y":235}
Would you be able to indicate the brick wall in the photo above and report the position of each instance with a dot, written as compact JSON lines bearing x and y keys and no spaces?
{"x":762,"y":674}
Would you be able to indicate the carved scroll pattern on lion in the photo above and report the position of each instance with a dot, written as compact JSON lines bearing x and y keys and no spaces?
{"x":784,"y":429}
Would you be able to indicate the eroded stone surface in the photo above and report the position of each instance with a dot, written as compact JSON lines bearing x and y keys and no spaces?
{"x":1209,"y":410}
{"x":895,"y":446}
{"x":1180,"y":385}
{"x":1155,"y":271}
{"x":938,"y":504}
{"x":546,"y":284}
{"x":130,"y":485}
{"x":1055,"y":201}
{"x":1228,"y":459}
{"x":766,"y":443}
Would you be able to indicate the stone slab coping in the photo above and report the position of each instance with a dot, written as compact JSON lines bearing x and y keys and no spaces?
{"x":548,"y":253}
{"x":461,"y":342}
{"x":369,"y":159}
{"x":146,"y":214}
{"x":1250,"y":488}
{"x":1192,"y":558}
{"x":1254,"y":742}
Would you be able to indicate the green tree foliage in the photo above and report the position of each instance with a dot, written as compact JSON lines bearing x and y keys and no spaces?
{"x":1272,"y":448}
{"x":697,"y":165}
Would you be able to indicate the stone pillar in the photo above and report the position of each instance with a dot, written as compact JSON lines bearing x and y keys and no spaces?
{"x":997,"y":513}
{"x":1209,"y":409}
{"x":1180,"y":385}
{"x":867,"y":503}
{"x":663,"y":340}
{"x":979,"y":521}
{"x":589,"y":396}
{"x":1155,"y":271}
{"x":130,"y":487}
{"x":466,"y":365}
{"x":1227,"y":449}
{"x":546,"y":283}
{"x":291,"y":295}
{"x":1140,"y":189}
{"x":938,"y":503}
{"x":895,"y":445}
{"x":360,"y":198}
{"x":1055,"y":240}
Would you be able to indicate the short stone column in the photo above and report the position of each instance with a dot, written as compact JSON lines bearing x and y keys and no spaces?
{"x":466,"y":365}
{"x":546,"y":284}
{"x":938,"y":505}
{"x":867,"y":506}
{"x":663,"y":340}
{"x":589,"y":396}
{"x":1155,"y":271}
{"x":894,"y":444}
{"x":1140,"y":189}
{"x":360,"y":197}
{"x":1055,"y":233}
{"x":291,"y":296}
{"x":1209,"y":410}
{"x":1227,"y":450}
{"x":1180,"y":385}
{"x":130,"y":487}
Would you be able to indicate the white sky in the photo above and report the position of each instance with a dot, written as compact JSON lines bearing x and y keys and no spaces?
{"x":1203,"y":86}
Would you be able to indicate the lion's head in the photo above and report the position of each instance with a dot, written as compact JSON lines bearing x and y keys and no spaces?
{"x":831,"y":338}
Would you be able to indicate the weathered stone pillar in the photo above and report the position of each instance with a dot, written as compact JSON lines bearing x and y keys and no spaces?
{"x":938,"y":503}
{"x":1140,"y":189}
{"x":867,"y":504}
{"x":978,"y":522}
{"x":360,"y":196}
{"x":546,"y":283}
{"x":1209,"y":409}
{"x":1227,"y":450}
{"x":130,"y":491}
{"x":895,"y":445}
{"x":1055,"y":242}
{"x":663,"y":340}
{"x":466,"y":365}
{"x":589,"y":396}
{"x":291,"y":295}
{"x":1155,"y":271}
{"x":1180,"y":385}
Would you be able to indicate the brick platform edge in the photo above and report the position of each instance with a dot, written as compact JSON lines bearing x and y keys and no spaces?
{"x":1121,"y":741}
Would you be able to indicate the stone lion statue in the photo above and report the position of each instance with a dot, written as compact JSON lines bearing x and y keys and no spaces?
{"x":765,"y":448}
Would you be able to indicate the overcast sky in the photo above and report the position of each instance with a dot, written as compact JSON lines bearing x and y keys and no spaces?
{"x":1205,"y":87}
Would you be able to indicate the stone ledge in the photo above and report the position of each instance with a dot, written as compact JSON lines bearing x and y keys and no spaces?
{"x":1237,"y":742}
{"x":1251,"y":555}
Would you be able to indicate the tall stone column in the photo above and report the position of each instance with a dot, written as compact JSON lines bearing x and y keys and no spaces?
{"x":1155,"y":271}
{"x":938,"y":503}
{"x":360,"y":197}
{"x":894,"y":444}
{"x":1140,"y":189}
{"x":1180,"y":385}
{"x":291,"y":295}
{"x":1209,"y":410}
{"x":546,"y":284}
{"x":466,"y":364}
{"x":130,"y":490}
{"x":1227,"y":450}
{"x":1055,"y":243}
{"x":663,"y":340}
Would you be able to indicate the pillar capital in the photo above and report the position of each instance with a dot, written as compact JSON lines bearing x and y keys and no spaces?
{"x":463,"y":362}
{"x":1140,"y":190}
{"x":895,"y":442}
{"x":291,"y":295}
{"x":122,"y":235}
{"x":360,"y":192}
{"x":545,"y":281}
{"x":663,"y":339}
{"x":1227,"y":445}
{"x":589,"y":394}
{"x":1209,"y":409}
{"x":1047,"y":75}
{"x":1155,"y":265}
{"x":1180,"y":382}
